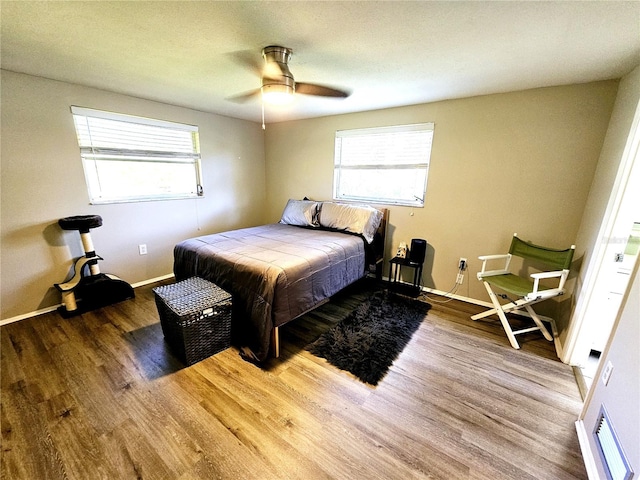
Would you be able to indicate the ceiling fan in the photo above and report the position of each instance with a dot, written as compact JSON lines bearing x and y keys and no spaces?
{"x":278,"y":84}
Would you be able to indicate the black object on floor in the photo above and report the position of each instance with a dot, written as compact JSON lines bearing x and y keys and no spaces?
{"x":370,"y":338}
{"x":195,"y":316}
{"x":89,"y":289}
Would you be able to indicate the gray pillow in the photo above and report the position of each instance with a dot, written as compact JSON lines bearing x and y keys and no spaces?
{"x":302,"y":213}
{"x":360,"y":219}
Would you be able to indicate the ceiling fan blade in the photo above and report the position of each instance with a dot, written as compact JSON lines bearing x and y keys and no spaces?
{"x":320,"y":90}
{"x":248,"y":60}
{"x":246,"y":96}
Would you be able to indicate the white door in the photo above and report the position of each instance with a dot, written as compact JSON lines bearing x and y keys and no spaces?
{"x":612,"y":284}
{"x":606,"y":279}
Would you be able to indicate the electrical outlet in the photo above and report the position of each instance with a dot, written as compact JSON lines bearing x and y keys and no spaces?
{"x":460,"y":279}
{"x":462,"y":264}
{"x":142,"y":249}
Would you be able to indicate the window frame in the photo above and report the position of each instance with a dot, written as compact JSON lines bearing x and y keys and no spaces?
{"x":417,"y":164}
{"x":173,"y":152}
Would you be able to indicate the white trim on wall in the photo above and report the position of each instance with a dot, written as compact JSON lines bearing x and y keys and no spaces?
{"x":24,"y":316}
{"x":551,"y":321}
{"x":53,"y":308}
{"x":587,"y":454}
{"x":168,"y":276}
{"x":152,"y":280}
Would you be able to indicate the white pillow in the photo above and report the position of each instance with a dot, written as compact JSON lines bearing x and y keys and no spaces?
{"x":302,"y":213}
{"x":360,"y":219}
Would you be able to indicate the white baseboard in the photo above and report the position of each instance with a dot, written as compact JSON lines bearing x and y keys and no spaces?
{"x":489,"y":305}
{"x":587,"y":454}
{"x":554,"y":328}
{"x":24,"y":316}
{"x":482,"y":303}
{"x":152,"y":280}
{"x":457,"y":297}
{"x":170,"y":275}
{"x":52,"y":308}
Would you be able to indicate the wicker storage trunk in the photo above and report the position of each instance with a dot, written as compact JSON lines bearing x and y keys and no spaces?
{"x":195,"y":315}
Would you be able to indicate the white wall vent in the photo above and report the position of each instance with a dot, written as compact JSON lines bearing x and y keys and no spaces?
{"x":614,"y":460}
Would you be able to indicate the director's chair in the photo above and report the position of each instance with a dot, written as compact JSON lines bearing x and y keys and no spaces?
{"x":529,"y":292}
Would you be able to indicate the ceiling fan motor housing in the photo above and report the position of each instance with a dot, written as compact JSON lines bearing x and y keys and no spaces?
{"x":281,"y":81}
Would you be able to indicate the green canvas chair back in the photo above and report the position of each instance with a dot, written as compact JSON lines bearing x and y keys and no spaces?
{"x":557,"y":259}
{"x":530,"y":292}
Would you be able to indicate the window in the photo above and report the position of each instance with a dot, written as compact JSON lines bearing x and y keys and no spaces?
{"x":128,"y":159}
{"x":386,"y":165}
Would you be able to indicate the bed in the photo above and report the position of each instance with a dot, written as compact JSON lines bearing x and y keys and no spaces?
{"x":278,"y":272}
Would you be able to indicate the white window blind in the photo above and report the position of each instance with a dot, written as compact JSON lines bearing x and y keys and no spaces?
{"x":386,"y":164}
{"x":127,"y":158}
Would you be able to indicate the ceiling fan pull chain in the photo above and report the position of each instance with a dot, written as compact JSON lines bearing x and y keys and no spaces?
{"x":262,"y":104}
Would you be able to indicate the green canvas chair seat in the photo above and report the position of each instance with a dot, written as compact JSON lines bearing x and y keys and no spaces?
{"x":528,"y":290}
{"x":513,"y":284}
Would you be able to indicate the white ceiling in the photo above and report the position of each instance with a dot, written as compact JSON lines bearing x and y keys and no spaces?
{"x":387,"y":54}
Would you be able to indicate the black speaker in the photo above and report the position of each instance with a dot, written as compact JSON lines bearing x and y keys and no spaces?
{"x":418,"y":250}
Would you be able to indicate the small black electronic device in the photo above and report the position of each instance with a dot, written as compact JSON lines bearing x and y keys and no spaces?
{"x":418,"y":250}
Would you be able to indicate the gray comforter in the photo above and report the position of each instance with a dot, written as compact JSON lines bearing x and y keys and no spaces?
{"x":275,"y":272}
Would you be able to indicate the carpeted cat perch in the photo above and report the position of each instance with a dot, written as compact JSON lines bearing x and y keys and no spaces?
{"x":83,"y":292}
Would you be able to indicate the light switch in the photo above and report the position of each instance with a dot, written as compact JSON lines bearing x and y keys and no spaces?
{"x":606,"y":374}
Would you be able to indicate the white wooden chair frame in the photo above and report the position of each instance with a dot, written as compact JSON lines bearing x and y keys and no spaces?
{"x":525,"y":302}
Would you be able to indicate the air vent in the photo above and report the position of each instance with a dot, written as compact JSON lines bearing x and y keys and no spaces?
{"x":615,"y":462}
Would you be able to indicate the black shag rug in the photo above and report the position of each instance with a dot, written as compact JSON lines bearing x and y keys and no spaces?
{"x":370,"y":338}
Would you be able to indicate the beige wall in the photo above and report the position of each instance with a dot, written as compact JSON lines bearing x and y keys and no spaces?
{"x":521,"y":161}
{"x":516,"y":162}
{"x":42,"y":180}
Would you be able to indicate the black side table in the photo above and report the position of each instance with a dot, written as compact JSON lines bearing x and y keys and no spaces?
{"x":395,"y":269}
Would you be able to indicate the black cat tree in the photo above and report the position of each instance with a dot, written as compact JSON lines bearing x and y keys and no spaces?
{"x":83,"y":292}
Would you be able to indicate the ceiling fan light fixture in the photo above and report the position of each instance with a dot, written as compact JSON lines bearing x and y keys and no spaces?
{"x":278,"y":85}
{"x":277,"y":94}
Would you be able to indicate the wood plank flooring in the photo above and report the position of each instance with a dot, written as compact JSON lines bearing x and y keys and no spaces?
{"x":101,"y":396}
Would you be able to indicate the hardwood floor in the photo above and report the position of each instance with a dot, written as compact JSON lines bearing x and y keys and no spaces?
{"x":100,"y":396}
